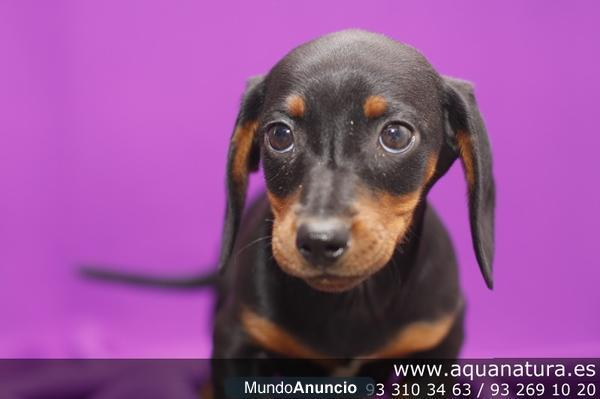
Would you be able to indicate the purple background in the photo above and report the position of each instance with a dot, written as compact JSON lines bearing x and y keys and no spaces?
{"x":114,"y":123}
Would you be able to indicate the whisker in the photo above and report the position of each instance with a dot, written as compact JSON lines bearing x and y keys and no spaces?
{"x":245,"y":247}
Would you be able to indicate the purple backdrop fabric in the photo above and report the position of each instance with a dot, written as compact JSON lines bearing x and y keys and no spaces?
{"x":114,"y":123}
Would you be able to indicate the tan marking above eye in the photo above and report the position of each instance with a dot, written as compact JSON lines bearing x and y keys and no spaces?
{"x":466,"y":155}
{"x":242,"y":140}
{"x":296,"y":106}
{"x":375,"y":106}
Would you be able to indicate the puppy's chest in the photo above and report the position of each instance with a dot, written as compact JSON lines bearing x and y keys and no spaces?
{"x":345,"y":336}
{"x":343,"y":333}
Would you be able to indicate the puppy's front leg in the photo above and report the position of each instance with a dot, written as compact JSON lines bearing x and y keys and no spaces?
{"x":234,"y":355}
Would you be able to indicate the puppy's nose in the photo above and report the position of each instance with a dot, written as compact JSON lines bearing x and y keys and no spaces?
{"x":322,"y":241}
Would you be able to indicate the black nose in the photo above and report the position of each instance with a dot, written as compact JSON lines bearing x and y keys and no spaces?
{"x":322,"y":241}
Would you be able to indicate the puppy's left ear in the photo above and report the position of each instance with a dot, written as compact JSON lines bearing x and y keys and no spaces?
{"x":243,"y":158}
{"x":470,"y":139}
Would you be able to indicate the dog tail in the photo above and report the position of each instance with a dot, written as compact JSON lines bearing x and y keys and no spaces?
{"x":210,"y":279}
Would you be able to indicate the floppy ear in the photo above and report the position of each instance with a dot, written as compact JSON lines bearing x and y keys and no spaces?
{"x":243,"y":158}
{"x":469,"y":137}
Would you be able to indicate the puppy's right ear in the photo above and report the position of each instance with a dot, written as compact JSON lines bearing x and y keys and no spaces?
{"x":243,"y":158}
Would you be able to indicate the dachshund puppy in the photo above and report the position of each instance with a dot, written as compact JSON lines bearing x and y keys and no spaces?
{"x":342,"y":261}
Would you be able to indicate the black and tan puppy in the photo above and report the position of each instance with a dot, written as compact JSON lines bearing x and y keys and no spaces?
{"x":343,"y":263}
{"x":343,"y":257}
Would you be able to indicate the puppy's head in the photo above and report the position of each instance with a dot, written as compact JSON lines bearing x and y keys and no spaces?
{"x":353,"y":129}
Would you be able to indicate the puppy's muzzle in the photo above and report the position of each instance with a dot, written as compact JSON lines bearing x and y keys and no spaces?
{"x":322,"y":241}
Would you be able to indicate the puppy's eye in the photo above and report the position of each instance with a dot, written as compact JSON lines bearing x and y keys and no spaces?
{"x":396,"y":138}
{"x":280,"y":138}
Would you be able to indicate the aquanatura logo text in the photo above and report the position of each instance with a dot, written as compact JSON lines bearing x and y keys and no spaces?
{"x":492,"y":369}
{"x":526,"y":369}
{"x":300,"y":387}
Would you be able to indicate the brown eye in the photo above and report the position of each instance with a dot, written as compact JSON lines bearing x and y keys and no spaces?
{"x":396,"y":138}
{"x":280,"y":138}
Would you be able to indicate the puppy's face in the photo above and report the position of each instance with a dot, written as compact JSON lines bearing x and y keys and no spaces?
{"x":353,"y":128}
{"x":350,"y":134}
